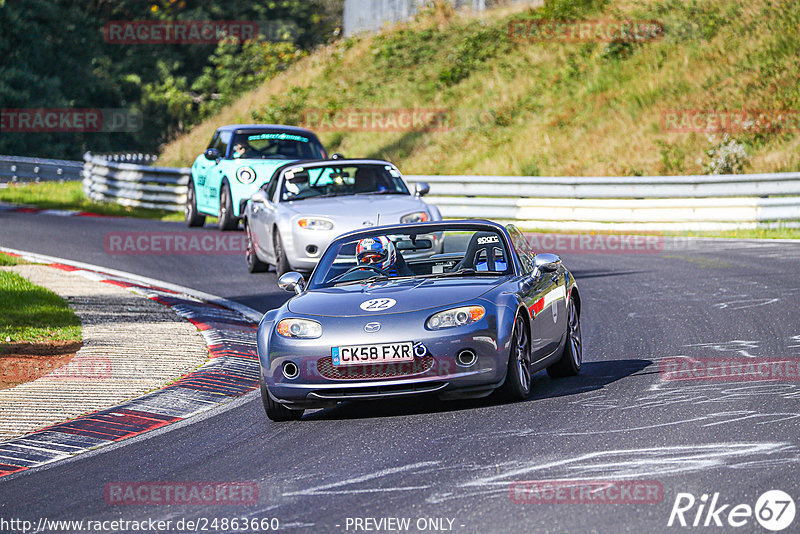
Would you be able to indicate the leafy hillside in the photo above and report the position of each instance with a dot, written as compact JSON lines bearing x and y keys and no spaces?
{"x":550,"y":108}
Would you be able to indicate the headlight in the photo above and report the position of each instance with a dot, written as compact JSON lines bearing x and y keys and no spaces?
{"x":245,"y":175}
{"x":416,"y":217}
{"x":456,"y":317}
{"x":315,"y":224}
{"x":299,"y":328}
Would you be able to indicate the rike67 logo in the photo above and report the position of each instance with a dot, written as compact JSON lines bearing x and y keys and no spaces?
{"x":774,"y":510}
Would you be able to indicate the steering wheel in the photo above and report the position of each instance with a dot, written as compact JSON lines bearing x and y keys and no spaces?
{"x":366,"y":267}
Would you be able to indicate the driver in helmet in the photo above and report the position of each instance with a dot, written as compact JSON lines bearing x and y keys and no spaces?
{"x":381,"y":253}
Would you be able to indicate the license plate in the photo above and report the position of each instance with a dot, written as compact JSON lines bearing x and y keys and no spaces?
{"x":366,"y":354}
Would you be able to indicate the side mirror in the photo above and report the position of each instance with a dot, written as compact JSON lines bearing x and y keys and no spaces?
{"x":260,"y":196}
{"x":212,"y":154}
{"x":292,"y":281}
{"x":422,"y":189}
{"x":545,"y":263}
{"x":337,"y":155}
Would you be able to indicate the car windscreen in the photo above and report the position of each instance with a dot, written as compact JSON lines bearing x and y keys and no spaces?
{"x":275,"y":145}
{"x":414,"y":255}
{"x":341,"y":180}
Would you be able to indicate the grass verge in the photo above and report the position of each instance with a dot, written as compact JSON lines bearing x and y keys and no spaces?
{"x":38,"y":331}
{"x":7,"y":260}
{"x":544,"y":107}
{"x":33,"y":314}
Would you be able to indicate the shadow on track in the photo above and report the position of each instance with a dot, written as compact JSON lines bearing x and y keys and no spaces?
{"x":589,"y":273}
{"x":594,"y":376}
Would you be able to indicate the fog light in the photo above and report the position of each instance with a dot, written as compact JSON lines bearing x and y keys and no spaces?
{"x":466,"y":357}
{"x":290,"y":370}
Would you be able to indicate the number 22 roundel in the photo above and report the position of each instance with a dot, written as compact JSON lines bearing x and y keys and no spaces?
{"x":376,"y":305}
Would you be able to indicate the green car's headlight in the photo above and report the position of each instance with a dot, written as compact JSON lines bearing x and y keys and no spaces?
{"x":299,"y":328}
{"x":246,"y":175}
{"x":455,"y":317}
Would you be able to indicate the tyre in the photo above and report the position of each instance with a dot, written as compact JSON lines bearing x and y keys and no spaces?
{"x":227,"y":221}
{"x":517,"y":385}
{"x":192,"y":217}
{"x":254,"y":265}
{"x":572,"y":357}
{"x":275,"y":410}
{"x":281,"y":262}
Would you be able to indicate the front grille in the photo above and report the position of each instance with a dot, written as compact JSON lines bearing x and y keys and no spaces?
{"x":378,"y":370}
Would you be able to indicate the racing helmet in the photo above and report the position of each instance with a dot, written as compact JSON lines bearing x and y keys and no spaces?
{"x":377,"y":251}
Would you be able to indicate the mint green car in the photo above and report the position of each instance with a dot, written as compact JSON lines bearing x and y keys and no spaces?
{"x":240,"y":159}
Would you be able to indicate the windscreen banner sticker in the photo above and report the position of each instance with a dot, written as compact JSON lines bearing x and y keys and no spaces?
{"x":376,"y":305}
{"x":278,"y":136}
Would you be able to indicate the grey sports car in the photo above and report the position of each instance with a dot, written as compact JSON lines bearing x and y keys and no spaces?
{"x":385,"y":315}
{"x":291,"y":220}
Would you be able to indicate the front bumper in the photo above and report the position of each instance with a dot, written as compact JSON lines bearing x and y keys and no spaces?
{"x":435,"y":370}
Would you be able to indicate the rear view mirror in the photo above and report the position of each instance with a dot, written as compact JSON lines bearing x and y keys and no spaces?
{"x":260,"y":196}
{"x":546,"y":263}
{"x":298,"y":178}
{"x":292,"y":281}
{"x":419,"y":244}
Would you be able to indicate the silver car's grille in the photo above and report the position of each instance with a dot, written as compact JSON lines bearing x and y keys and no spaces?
{"x":379,"y":370}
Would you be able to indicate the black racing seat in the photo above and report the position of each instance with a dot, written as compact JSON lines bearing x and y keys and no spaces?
{"x":364,"y":180}
{"x":482,"y":245}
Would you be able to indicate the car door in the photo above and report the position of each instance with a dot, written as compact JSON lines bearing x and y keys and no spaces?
{"x":215,"y":173}
{"x":549,"y":299}
{"x":534,"y":288}
{"x":265,"y":215}
{"x":200,"y":170}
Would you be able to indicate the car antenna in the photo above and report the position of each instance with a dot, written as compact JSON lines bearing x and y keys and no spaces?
{"x":378,"y":220}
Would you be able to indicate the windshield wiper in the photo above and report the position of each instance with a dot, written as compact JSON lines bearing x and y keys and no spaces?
{"x":387,"y":192}
{"x":376,"y":278}
{"x":326,"y":195}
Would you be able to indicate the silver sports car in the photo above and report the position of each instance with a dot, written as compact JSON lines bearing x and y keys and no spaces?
{"x":291,"y":220}
{"x":380,"y":317}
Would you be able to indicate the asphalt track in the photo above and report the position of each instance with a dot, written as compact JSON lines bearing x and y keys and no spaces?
{"x":427,"y":459}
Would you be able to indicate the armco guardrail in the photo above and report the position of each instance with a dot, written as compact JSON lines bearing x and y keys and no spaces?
{"x":134,"y":185}
{"x":16,"y":169}
{"x":577,"y":203}
{"x":638,"y":202}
